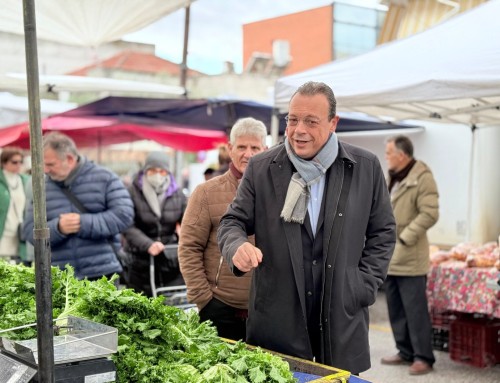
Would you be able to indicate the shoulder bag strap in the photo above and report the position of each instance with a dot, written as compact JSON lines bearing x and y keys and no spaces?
{"x":74,"y":200}
{"x":83,"y":209}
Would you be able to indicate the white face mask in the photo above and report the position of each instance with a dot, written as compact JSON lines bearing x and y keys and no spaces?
{"x":156,"y":180}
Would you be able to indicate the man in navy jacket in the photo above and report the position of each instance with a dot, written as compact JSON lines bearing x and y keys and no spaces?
{"x":87,"y":240}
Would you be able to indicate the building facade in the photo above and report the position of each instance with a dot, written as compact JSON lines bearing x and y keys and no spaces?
{"x":303,"y":40}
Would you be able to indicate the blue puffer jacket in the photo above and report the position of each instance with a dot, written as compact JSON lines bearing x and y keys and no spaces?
{"x":110,"y":209}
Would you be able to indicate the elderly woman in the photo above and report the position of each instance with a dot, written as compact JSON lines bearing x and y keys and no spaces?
{"x":12,"y":203}
{"x":159,"y":206}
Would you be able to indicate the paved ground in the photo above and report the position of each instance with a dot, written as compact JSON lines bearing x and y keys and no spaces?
{"x":445,"y":369}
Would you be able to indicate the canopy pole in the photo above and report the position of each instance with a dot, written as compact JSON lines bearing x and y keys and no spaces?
{"x":184,"y":66}
{"x":43,"y":282}
{"x":275,"y":126}
{"x":468,"y":234}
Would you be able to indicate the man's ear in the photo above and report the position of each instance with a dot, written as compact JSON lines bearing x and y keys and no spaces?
{"x":334,"y":122}
{"x":72,"y":160}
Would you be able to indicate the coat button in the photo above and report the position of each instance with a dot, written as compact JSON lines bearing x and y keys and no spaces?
{"x":315,"y":262}
{"x":340,"y":214}
{"x":329,"y":266}
{"x":309,"y":293}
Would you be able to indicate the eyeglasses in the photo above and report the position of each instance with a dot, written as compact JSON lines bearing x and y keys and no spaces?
{"x":160,"y":171}
{"x":16,"y":162}
{"x":308,"y":121}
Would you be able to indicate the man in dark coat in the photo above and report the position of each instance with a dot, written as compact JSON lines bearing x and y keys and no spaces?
{"x":87,"y":240}
{"x":324,"y":235}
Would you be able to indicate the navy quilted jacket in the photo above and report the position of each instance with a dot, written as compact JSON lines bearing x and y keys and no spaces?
{"x":111,"y":211}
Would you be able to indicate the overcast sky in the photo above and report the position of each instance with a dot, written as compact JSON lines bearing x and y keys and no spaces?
{"x":216,"y":29}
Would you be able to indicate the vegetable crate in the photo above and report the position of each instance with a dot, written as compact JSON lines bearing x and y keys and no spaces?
{"x":441,"y":319}
{"x":311,"y":372}
{"x":308,"y":371}
{"x":475,"y":341}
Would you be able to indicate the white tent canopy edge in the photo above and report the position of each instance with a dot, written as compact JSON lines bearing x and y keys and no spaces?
{"x":68,"y":83}
{"x":87,"y":22}
{"x":448,"y":73}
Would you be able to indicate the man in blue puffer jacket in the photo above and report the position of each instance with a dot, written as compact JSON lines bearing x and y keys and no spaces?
{"x":82,"y":239}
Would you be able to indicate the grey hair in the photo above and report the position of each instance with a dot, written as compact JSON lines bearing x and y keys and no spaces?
{"x":312,"y":88}
{"x":248,"y":127}
{"x":402,"y":143}
{"x":60,"y":143}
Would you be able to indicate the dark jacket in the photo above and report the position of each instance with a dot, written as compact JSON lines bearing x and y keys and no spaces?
{"x":148,"y":228}
{"x":358,"y":240}
{"x":110,"y":212}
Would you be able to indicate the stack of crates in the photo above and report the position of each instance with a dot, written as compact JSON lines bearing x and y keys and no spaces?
{"x":475,"y":340}
{"x":441,"y":321}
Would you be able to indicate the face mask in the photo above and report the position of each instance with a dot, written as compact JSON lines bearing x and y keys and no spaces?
{"x":156,"y":180}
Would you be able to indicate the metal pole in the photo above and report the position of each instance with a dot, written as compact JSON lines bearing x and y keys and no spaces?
{"x":275,"y":127}
{"x":184,"y":67}
{"x":43,"y":283}
{"x":470,"y":191}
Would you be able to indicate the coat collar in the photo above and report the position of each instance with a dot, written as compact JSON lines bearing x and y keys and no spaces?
{"x":231,"y":178}
{"x":411,"y":179}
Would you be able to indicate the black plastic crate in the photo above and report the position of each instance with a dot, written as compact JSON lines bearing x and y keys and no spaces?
{"x":440,"y":339}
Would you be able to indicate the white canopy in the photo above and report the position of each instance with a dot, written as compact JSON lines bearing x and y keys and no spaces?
{"x":57,"y":83}
{"x":449,"y":73}
{"x":14,"y":109}
{"x":87,"y":22}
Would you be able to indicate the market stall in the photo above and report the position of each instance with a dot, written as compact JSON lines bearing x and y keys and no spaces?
{"x":124,"y":336}
{"x":464,"y":300}
{"x":464,"y":289}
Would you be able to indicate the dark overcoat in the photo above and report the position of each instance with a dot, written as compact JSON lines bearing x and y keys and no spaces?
{"x":149,"y":228}
{"x":358,"y":241}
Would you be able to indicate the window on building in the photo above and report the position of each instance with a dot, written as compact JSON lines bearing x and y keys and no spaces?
{"x":355,"y":29}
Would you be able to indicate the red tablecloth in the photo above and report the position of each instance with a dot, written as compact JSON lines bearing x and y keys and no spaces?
{"x":463,"y":289}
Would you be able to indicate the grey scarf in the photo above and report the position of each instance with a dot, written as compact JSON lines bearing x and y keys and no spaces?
{"x":308,"y":173}
{"x":154,"y":196}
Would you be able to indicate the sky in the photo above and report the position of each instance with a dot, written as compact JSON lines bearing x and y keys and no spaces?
{"x":216,"y":29}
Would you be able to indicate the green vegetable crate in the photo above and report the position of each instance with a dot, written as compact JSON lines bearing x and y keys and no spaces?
{"x":326,"y":374}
